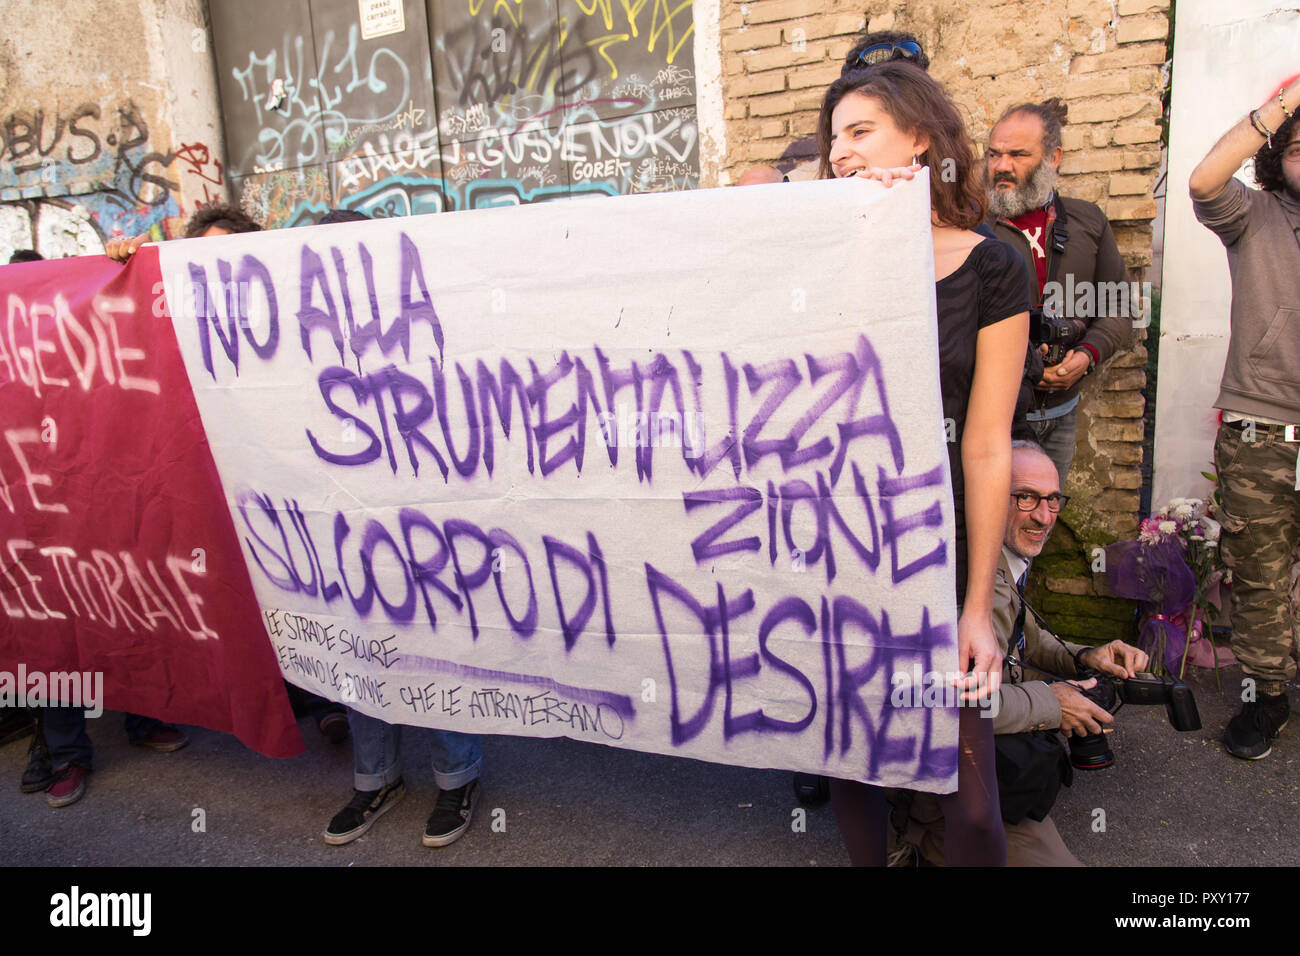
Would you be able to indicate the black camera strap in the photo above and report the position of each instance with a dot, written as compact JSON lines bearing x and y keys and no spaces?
{"x":1060,"y":235}
{"x":1015,"y":648}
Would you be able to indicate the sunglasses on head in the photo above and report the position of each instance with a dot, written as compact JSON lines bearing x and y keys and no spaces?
{"x":883,"y":52}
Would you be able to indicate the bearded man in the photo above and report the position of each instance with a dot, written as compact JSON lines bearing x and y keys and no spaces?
{"x":1079,"y":280}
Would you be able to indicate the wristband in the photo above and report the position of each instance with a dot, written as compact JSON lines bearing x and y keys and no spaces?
{"x":1282,"y":103}
{"x":1094,"y":359}
{"x":1261,"y":128}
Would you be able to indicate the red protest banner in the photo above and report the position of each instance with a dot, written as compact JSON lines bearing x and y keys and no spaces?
{"x":117,"y":553}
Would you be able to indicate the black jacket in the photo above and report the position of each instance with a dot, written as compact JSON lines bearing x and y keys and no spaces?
{"x":1091,"y":258}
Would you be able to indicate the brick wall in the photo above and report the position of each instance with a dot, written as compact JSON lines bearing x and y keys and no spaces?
{"x":1104,"y":58}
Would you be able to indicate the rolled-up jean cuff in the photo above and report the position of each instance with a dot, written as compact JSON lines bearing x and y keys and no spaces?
{"x":376,"y":751}
{"x":369,"y":782}
{"x":457,"y":758}
{"x":454,"y":781}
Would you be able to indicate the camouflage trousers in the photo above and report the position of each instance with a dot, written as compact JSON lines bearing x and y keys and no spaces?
{"x":1261,"y":528}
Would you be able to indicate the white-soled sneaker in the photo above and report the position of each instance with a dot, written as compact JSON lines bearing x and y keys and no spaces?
{"x":451,"y":815}
{"x":360,"y":814}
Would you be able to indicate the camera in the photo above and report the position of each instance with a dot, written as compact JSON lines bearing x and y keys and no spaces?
{"x":1111,"y":693}
{"x":1047,"y":327}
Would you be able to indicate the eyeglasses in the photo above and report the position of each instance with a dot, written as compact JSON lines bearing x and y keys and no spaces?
{"x":1028,"y":501}
{"x":883,"y":52}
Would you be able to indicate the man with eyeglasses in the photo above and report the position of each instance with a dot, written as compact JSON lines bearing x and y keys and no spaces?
{"x":1257,"y":450}
{"x":1029,"y":651}
{"x":1036,"y":502}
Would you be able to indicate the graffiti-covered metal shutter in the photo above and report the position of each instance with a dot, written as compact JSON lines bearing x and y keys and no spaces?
{"x":400,"y":107}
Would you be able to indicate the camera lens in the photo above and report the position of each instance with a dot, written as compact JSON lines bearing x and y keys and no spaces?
{"x":1090,"y":752}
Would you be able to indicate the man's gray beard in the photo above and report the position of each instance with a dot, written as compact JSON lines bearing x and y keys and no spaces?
{"x":1022,"y":199}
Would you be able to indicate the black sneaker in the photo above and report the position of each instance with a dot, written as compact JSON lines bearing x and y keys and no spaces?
{"x":451,"y":815}
{"x":39,"y":773}
{"x":359,"y":815}
{"x":1249,"y":733}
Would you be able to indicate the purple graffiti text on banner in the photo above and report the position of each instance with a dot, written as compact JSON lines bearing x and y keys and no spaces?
{"x":879,"y":424}
{"x":592,"y":567}
{"x":234,"y":295}
{"x":889,"y":653}
{"x":502,"y":393}
{"x":706,"y":545}
{"x":781,"y":504}
{"x":893,"y":528}
{"x":785,"y":378}
{"x":423,"y":553}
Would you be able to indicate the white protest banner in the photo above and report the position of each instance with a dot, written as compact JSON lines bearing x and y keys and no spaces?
{"x":663,"y":472}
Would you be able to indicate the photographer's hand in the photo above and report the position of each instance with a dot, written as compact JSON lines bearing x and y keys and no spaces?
{"x":121,"y":248}
{"x":1079,"y":715}
{"x":1071,"y":368}
{"x":1117,"y":658}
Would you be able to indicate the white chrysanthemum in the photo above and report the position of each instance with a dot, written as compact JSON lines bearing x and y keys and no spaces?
{"x":1212,"y":529}
{"x":1168,"y":527}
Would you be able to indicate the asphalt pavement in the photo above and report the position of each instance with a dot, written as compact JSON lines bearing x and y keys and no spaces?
{"x":1171,"y":799}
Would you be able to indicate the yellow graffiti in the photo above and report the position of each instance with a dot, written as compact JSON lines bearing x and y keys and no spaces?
{"x":632,"y":10}
{"x":662,"y":21}
{"x":601,"y":42}
{"x":606,"y":11}
{"x":476,"y":6}
{"x":656,"y":28}
{"x":539,"y":60}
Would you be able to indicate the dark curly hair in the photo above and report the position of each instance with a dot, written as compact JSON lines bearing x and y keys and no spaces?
{"x":869,"y":40}
{"x":223,"y":215}
{"x":916,"y":102}
{"x":1268,"y":161}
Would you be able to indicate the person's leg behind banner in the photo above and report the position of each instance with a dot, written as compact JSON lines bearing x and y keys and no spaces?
{"x":376,"y":780}
{"x":152,"y":734}
{"x":457,"y":764}
{"x":70,"y":754}
{"x":863,"y":818}
{"x":972,"y":815}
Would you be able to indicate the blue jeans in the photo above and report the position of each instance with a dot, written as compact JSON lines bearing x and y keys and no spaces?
{"x":66,"y":738}
{"x":1056,"y":435}
{"x":377,"y":754}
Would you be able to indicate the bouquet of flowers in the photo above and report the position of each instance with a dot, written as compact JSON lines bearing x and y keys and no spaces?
{"x":1175,"y":569}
